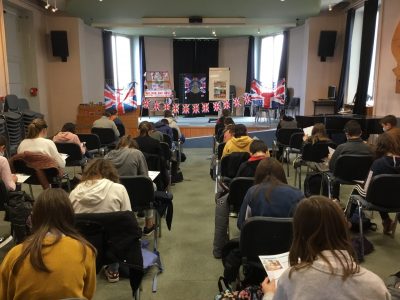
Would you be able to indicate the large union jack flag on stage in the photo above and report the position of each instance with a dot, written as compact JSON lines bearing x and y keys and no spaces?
{"x":279,"y":92}
{"x":123,"y":100}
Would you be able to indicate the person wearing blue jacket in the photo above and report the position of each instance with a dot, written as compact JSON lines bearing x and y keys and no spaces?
{"x":271,"y":196}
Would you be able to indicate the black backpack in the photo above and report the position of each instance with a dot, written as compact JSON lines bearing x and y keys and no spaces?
{"x":312,"y":184}
{"x":18,"y":211}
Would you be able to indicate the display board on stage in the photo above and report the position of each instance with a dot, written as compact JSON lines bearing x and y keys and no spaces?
{"x":219,"y":84}
{"x":158,"y":85}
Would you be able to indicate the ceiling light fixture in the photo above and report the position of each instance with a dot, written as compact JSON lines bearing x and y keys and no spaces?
{"x":54,"y":9}
{"x":330,"y":7}
{"x":47,"y":4}
{"x":282,"y":0}
{"x":213,"y":32}
{"x":258,"y":31}
{"x":100,"y":0}
{"x":174,"y":33}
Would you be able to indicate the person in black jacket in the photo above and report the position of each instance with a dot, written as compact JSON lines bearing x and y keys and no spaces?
{"x":258,"y":151}
{"x":117,"y":121}
{"x":146,"y":143}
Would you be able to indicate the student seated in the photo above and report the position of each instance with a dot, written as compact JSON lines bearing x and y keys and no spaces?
{"x":146,"y":143}
{"x":55,"y":262}
{"x":105,"y":122}
{"x":130,"y":161}
{"x":322,"y":260}
{"x":100,"y":192}
{"x":155,"y":134}
{"x":239,"y":143}
{"x":114,"y":117}
{"x":163,"y":127}
{"x":37,"y":142}
{"x":6,"y":176}
{"x":173,"y":124}
{"x":387,"y":161}
{"x":225,"y":113}
{"x":68,"y":135}
{"x":229,"y":132}
{"x":258,"y":151}
{"x":221,"y":131}
{"x":388,"y":122}
{"x":271,"y":196}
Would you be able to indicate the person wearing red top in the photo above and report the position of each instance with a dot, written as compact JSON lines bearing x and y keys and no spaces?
{"x":258,"y":151}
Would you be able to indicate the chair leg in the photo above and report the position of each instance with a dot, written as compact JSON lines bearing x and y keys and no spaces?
{"x":361,"y":230}
{"x":287,"y":161}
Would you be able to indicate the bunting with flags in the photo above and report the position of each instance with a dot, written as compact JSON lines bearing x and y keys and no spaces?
{"x":175,"y":108}
{"x":185,"y":109}
{"x":156,"y":106}
{"x":196,"y":108}
{"x":167,"y":106}
{"x":226,"y":104}
{"x":236,"y":102}
{"x":247,"y":98}
{"x":146,"y":103}
{"x":216,"y":106}
{"x":205,"y":107}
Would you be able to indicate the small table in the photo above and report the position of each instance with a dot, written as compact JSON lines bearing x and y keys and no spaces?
{"x":325,"y":103}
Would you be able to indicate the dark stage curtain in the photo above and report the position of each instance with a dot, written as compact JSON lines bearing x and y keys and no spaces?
{"x":250,"y":64}
{"x":367,"y":43}
{"x":142,"y":57}
{"x":284,"y":57}
{"x":193,"y":56}
{"x":344,"y":74}
{"x":108,"y":63}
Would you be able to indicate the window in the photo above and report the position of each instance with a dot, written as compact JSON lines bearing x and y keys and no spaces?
{"x":271,"y":52}
{"x":122,"y":61}
{"x":355,"y":59}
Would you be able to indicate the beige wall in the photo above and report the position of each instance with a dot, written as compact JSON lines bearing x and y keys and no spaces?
{"x":3,"y":57}
{"x":233,"y":54}
{"x":319,"y":74}
{"x":387,"y":101}
{"x":159,"y":56}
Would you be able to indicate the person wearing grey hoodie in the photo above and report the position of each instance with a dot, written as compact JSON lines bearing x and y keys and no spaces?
{"x":130,"y":161}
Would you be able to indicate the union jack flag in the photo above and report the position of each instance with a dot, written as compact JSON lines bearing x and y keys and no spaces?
{"x":236,"y":102}
{"x":216,"y":106}
{"x":146,"y":103}
{"x":156,"y":106}
{"x":226,"y":104}
{"x":167,"y":106}
{"x":205,"y":107}
{"x":185,"y":109}
{"x":196,"y":108}
{"x":247,"y":99}
{"x":175,"y":108}
{"x":279,"y":92}
{"x":123,"y":100}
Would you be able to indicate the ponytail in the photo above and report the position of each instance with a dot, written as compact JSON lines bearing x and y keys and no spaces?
{"x":35,"y":128}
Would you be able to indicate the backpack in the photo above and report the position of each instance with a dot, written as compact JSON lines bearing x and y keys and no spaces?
{"x":393,"y":285}
{"x":312,"y":184}
{"x":355,"y":222}
{"x":231,"y":260}
{"x":18,"y":211}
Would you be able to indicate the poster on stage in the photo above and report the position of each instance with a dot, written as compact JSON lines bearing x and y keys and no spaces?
{"x":219,"y":81}
{"x":157,"y":85}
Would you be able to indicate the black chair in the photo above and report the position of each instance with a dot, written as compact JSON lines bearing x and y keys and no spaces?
{"x":158,"y":163}
{"x":312,"y":153}
{"x":15,"y":128}
{"x":102,"y":231}
{"x":295,"y":146}
{"x":350,"y":170}
{"x":231,"y":163}
{"x":92,"y":142}
{"x":107,"y":137}
{"x":75,"y":157}
{"x":237,"y":190}
{"x":383,"y":196}
{"x":167,"y":139}
{"x":264,"y":236}
{"x":3,"y":195}
{"x":177,"y":144}
{"x":141,"y":194}
{"x":3,"y":132}
{"x":167,"y":155}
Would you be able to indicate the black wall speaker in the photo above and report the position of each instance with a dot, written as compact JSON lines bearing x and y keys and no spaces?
{"x":59,"y":44}
{"x":195,"y":20}
{"x":326,"y":47}
{"x":331,"y":92}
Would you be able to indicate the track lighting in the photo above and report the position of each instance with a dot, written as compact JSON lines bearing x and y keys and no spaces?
{"x":47,"y":4}
{"x":54,"y":9}
{"x":330,"y":7}
{"x":258,"y":31}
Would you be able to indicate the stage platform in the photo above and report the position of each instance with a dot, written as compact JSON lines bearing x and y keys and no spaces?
{"x":194,"y":127}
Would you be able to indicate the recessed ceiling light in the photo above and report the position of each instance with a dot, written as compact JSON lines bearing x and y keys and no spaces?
{"x":282,"y":0}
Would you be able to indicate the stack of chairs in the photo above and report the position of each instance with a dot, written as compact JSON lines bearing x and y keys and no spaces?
{"x":15,"y":129}
{"x":21,"y":106}
{"x":3,"y":131}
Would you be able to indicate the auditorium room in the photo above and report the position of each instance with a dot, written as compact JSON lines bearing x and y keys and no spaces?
{"x":199,"y":150}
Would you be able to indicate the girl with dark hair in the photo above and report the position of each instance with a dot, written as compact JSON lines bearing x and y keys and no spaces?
{"x":68,"y":135}
{"x":271,"y":196}
{"x":55,"y":262}
{"x":100,"y":192}
{"x":37,"y":142}
{"x":387,"y":161}
{"x":322,"y":260}
{"x":146,"y":143}
{"x":318,"y":134}
{"x":6,"y":176}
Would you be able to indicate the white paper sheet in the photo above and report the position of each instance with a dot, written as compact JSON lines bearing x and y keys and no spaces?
{"x":275,"y":265}
{"x":308,"y":130}
{"x":153,"y":174}
{"x":22,"y":177}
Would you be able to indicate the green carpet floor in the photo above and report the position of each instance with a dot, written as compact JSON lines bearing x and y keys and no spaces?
{"x":191,"y":272}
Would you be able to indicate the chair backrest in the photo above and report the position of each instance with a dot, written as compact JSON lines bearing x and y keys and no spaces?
{"x":265,"y":236}
{"x":352,"y":167}
{"x":23,"y":104}
{"x":316,"y":152}
{"x":140,"y":190}
{"x":220,"y":150}
{"x":175,"y":134}
{"x":11,"y":103}
{"x":3,"y":195}
{"x":50,"y":174}
{"x":167,"y":139}
{"x":73,"y":150}
{"x":92,"y":140}
{"x":231,"y":163}
{"x":166,"y":151}
{"x":383,"y":191}
{"x":283,"y":135}
{"x":296,"y":140}
{"x":238,"y":189}
{"x":106,"y":135}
